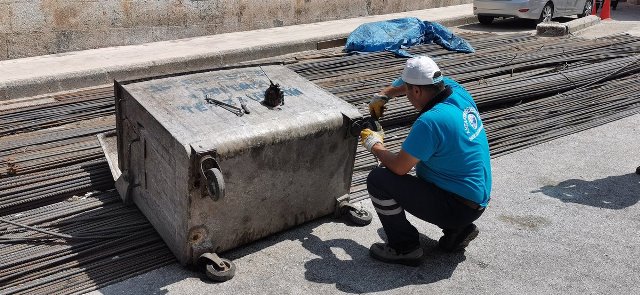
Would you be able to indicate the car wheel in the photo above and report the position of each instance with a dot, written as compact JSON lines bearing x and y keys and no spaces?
{"x":588,"y":6}
{"x":485,"y":20}
{"x":547,"y":13}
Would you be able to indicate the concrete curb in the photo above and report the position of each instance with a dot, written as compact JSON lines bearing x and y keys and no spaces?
{"x":81,"y":78}
{"x":582,"y":23}
{"x":554,"y":29}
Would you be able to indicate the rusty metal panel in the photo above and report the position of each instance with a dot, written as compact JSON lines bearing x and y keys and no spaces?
{"x":281,"y":166}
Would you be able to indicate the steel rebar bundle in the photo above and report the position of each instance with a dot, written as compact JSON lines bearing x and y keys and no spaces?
{"x":52,"y":147}
{"x":67,"y":108}
{"x":26,"y":191}
{"x":80,"y":244}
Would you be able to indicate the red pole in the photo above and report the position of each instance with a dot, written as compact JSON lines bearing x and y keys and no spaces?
{"x":594,"y":7}
{"x":606,"y":10}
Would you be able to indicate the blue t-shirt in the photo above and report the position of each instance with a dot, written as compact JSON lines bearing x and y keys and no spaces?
{"x":451,"y":144}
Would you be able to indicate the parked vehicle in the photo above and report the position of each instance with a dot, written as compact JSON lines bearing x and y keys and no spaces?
{"x":537,"y":10}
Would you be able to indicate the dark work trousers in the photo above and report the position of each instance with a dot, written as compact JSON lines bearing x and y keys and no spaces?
{"x":392,"y":195}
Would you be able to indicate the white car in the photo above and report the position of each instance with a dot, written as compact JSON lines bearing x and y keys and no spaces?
{"x":538,"y":10}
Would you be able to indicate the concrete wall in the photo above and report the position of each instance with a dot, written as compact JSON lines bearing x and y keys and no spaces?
{"x":39,"y":27}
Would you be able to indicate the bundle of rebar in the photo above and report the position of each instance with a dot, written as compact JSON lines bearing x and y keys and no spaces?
{"x":53,"y":147}
{"x":27,"y":191}
{"x":494,"y":74}
{"x":63,"y":109}
{"x":518,"y":127}
{"x":77,"y":245}
{"x":42,"y":166}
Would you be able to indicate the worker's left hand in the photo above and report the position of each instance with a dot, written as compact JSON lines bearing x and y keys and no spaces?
{"x":369,"y":138}
{"x":376,"y":105}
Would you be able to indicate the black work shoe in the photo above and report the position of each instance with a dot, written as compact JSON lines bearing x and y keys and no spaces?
{"x":383,"y":252}
{"x":457,"y":240}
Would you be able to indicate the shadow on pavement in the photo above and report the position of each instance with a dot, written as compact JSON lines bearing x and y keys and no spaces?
{"x":347,"y":264}
{"x":341,"y":262}
{"x":613,"y":192}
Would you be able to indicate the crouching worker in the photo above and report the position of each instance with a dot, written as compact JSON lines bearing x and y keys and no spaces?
{"x":448,"y":146}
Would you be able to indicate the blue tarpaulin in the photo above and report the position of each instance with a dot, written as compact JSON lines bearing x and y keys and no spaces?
{"x":394,"y":35}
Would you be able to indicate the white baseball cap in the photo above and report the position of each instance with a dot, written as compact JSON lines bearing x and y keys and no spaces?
{"x":419,"y":70}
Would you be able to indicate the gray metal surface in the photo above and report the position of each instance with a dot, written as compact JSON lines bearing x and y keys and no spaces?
{"x":179,"y":105}
{"x":281,"y":166}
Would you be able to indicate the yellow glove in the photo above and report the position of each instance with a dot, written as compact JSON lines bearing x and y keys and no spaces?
{"x":369,"y":138}
{"x":376,"y":105}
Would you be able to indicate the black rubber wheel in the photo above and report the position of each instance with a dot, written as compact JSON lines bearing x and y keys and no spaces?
{"x":638,"y":170}
{"x":547,"y":13}
{"x":588,"y":6}
{"x":485,"y":19}
{"x":360,"y":217}
{"x":221,"y":275}
{"x":215,"y":183}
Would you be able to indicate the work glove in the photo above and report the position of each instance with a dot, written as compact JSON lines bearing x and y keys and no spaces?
{"x":376,"y":105}
{"x":369,"y":138}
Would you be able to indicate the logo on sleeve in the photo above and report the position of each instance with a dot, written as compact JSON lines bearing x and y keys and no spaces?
{"x":472,"y":123}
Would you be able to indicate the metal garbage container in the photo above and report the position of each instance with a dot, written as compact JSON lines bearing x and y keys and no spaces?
{"x":211,"y":174}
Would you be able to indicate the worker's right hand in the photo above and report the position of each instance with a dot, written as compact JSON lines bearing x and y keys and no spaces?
{"x":369,"y":138}
{"x":376,"y":105}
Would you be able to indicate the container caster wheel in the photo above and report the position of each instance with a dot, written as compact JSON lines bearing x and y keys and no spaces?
{"x":212,"y":178}
{"x":360,"y":216}
{"x":215,"y":183}
{"x":356,"y":215}
{"x":217,"y":269}
{"x":221,"y":274}
{"x":638,"y":170}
